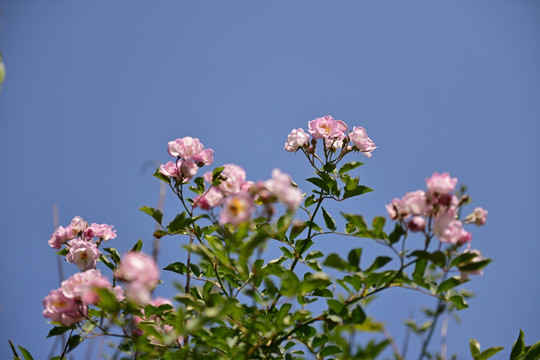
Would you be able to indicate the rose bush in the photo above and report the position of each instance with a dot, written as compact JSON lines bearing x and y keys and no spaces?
{"x":236,"y":302}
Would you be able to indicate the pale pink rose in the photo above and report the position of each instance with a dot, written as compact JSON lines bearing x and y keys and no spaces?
{"x":88,"y":233}
{"x":441,"y":183}
{"x":237,"y":209}
{"x":213,"y":197}
{"x":189,"y":169}
{"x":63,"y":310}
{"x":296,"y":139}
{"x":417,"y":223}
{"x":79,"y":284}
{"x":326,"y":126}
{"x":282,"y":188}
{"x":170,"y":170}
{"x":103,"y":231}
{"x":465,"y":237}
{"x":447,"y":228}
{"x":206,"y":157}
{"x":480,"y":216}
{"x":60,"y":236}
{"x":235,"y":177}
{"x":395,"y":209}
{"x":78,"y":225}
{"x":414,"y":203}
{"x":361,"y":141}
{"x":140,"y":273}
{"x":185,"y":148}
{"x":336,"y":140}
{"x":83,"y":253}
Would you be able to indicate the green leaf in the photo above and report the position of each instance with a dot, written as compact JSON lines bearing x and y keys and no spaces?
{"x":329,"y":167}
{"x":25,"y":353}
{"x":379,"y":262}
{"x":354,"y":258}
{"x":349,"y":166}
{"x":310,"y":200}
{"x":355,"y":316}
{"x":459,"y":302}
{"x":177,"y":267}
{"x":154,"y":213}
{"x":475,"y":348}
{"x":107,"y":262}
{"x":335,"y":305}
{"x":438,"y":258}
{"x":419,"y":270}
{"x":74,"y":341}
{"x":359,"y":190}
{"x":396,"y":234}
{"x":330,"y":223}
{"x":138,"y":246}
{"x":313,"y":255}
{"x":519,"y":346}
{"x":533,"y":352}
{"x":57,"y":330}
{"x":356,"y":220}
{"x":449,"y":284}
{"x":290,"y":284}
{"x":330,"y":350}
{"x":462,"y":259}
{"x":115,"y":256}
{"x":475,"y":265}
{"x":216,"y":174}
{"x":179,"y":224}
{"x":319,"y":183}
{"x":335,"y":261}
{"x":162,"y":177}
{"x":297,"y":229}
{"x":486,"y":354}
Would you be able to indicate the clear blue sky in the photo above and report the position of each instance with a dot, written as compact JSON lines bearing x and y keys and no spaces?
{"x":96,"y":89}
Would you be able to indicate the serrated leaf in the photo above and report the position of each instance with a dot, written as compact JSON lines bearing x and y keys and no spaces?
{"x":349,"y":166}
{"x":330,"y":223}
{"x":154,"y":213}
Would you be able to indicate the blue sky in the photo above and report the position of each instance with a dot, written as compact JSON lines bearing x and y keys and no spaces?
{"x":94,"y":90}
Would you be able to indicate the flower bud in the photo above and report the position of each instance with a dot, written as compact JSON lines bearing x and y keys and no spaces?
{"x":416,"y":224}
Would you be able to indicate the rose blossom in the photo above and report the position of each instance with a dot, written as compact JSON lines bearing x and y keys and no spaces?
{"x":335,"y":141}
{"x":417,"y":223}
{"x":441,"y":183}
{"x":296,"y":139}
{"x":141,"y":274}
{"x":450,"y":230}
{"x":235,"y":177}
{"x":414,"y":203}
{"x":395,"y":209}
{"x":78,"y":285}
{"x":237,"y":209}
{"x":480,"y":216}
{"x":212,"y":198}
{"x":60,"y":236}
{"x":189,"y":169}
{"x":361,"y":141}
{"x":103,"y":231}
{"x":83,"y":253}
{"x":206,"y":157}
{"x":170,"y":170}
{"x":326,"y":126}
{"x":185,"y":148}
{"x":78,"y":225}
{"x":61,"y":309}
{"x":282,"y":188}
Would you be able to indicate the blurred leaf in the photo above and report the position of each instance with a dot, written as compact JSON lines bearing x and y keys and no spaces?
{"x":459,"y":302}
{"x":476,"y":265}
{"x":314,"y":255}
{"x":329,"y":167}
{"x":335,"y":305}
{"x":438,"y":258}
{"x":73,"y":342}
{"x":349,"y":166}
{"x":379,"y":262}
{"x":177,"y":267}
{"x":354,"y":258}
{"x":297,"y":229}
{"x":138,"y":246}
{"x":486,"y":354}
{"x":154,"y":213}
{"x":356,"y":220}
{"x":330,"y":350}
{"x":419,"y":270}
{"x":396,"y":234}
{"x":107,"y":262}
{"x":310,"y":200}
{"x":449,"y":284}
{"x":330,"y":223}
{"x":179,"y":224}
{"x":519,"y":346}
{"x":162,"y":177}
{"x":359,"y":190}
{"x":114,"y":254}
{"x":25,"y":353}
{"x":475,"y":348}
{"x":462,"y":259}
{"x":216,"y":174}
{"x":335,"y":261}
{"x":58,"y":330}
{"x":533,"y":352}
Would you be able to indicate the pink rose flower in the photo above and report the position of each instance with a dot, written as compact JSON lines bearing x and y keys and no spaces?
{"x":206,"y":157}
{"x":480,"y":216}
{"x":282,"y":188}
{"x":185,"y":148}
{"x":141,"y":275}
{"x":414,"y":203}
{"x":78,"y":225}
{"x":296,"y":139}
{"x":448,"y":229}
{"x":63,"y":310}
{"x":60,"y":236}
{"x":417,"y":223}
{"x":78,"y":285}
{"x":326,"y":126}
{"x":441,"y":183}
{"x":395,"y":209}
{"x":237,"y":209}
{"x":213,"y":197}
{"x":361,"y":141}
{"x":103,"y":231}
{"x":335,"y":141}
{"x":83,"y":253}
{"x":170,"y":170}
{"x":235,"y":178}
{"x":189,"y":169}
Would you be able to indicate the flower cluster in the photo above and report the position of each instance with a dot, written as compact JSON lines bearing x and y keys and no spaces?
{"x":438,"y":204}
{"x":82,"y":241}
{"x":141,"y":274}
{"x":190,"y":156}
{"x":335,"y":136}
{"x":68,"y":304}
{"x":238,"y":196}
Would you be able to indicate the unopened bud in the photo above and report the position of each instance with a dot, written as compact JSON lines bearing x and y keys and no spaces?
{"x":416,"y":224}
